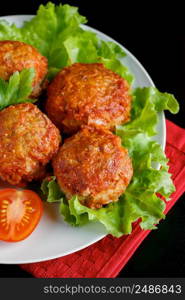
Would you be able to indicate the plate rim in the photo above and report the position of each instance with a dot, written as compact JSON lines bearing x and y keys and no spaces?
{"x":163,"y":144}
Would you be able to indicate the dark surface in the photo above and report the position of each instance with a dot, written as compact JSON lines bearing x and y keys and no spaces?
{"x":163,"y":56}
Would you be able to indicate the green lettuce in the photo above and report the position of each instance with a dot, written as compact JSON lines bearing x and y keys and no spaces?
{"x":17,"y":89}
{"x":51,"y":189}
{"x":57,"y":33}
{"x":146,"y":102}
{"x":140,"y":200}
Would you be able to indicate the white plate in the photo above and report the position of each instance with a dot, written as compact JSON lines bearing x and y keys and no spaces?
{"x":54,"y":238}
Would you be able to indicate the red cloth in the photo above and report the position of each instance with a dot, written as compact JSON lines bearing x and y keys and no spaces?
{"x":107,"y":257}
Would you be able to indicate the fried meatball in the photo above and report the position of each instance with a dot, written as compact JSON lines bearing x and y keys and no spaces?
{"x":93,"y":165}
{"x":28,"y":140}
{"x":16,"y":56}
{"x":85,"y":94}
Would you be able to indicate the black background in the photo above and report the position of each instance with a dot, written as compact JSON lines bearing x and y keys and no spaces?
{"x":154,"y":36}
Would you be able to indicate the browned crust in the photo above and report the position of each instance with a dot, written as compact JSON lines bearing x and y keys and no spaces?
{"x":93,"y":165}
{"x":86,"y":94}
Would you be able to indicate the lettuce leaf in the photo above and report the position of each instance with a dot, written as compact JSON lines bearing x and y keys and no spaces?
{"x":51,"y":189}
{"x":140,"y":200}
{"x":160,"y":101}
{"x":57,"y":33}
{"x":9,"y":32}
{"x":147,"y":102}
{"x":17,"y":89}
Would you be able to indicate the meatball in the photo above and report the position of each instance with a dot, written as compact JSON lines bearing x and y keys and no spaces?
{"x":28,"y":140}
{"x":85,"y":94}
{"x":16,"y":56}
{"x":93,"y":165}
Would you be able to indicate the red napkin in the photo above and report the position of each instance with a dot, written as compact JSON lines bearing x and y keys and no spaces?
{"x":107,"y":257}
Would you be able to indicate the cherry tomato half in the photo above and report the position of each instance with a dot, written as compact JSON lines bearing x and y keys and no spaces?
{"x":20,"y":212}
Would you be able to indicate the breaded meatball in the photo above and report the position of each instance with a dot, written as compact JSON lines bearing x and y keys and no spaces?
{"x":16,"y":56}
{"x":93,"y":165}
{"x":86,"y":94}
{"x":28,"y":140}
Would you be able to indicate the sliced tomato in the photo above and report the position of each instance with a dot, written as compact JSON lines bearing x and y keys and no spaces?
{"x":20,"y":212}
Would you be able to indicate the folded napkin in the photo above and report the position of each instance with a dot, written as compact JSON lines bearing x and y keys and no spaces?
{"x":107,"y":257}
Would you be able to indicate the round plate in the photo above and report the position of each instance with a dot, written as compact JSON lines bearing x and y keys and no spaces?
{"x":53,"y":237}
